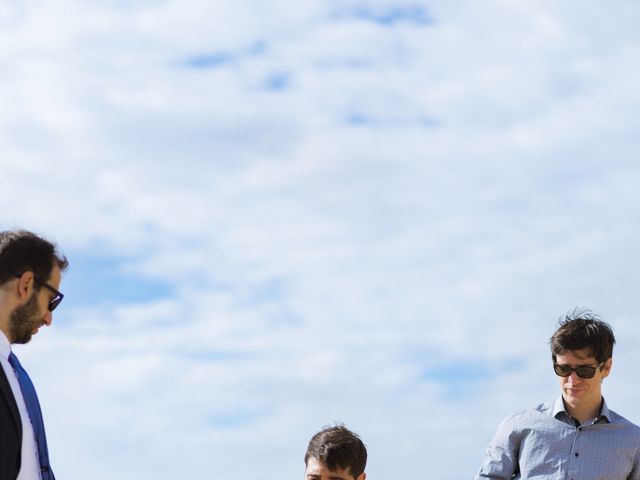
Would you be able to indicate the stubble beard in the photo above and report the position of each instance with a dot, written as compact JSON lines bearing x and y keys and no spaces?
{"x":24,"y":320}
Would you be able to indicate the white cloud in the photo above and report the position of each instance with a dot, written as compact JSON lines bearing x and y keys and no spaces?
{"x":416,"y":202}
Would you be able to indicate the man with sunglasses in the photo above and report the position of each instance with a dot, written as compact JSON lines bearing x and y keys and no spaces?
{"x":30,"y":274}
{"x":577,"y":437}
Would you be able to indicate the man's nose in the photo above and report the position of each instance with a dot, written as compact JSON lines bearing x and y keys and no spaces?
{"x":575,"y":378}
{"x":48,"y":318}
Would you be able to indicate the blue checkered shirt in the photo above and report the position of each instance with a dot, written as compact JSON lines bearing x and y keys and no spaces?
{"x":545,"y":443}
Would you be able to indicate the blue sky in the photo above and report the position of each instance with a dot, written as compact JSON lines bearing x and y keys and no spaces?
{"x":281,"y":215}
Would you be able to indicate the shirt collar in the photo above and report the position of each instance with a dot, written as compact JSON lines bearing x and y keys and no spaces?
{"x":5,"y":346}
{"x":604,"y":412}
{"x":558,"y":407}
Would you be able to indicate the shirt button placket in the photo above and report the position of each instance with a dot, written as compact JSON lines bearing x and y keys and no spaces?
{"x":575,"y":454}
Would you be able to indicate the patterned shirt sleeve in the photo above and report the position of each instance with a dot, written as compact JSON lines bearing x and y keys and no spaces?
{"x":501,"y":459}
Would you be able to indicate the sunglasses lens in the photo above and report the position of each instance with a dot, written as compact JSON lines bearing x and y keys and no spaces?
{"x":561,"y":370}
{"x":585,"y":372}
{"x":54,"y":303}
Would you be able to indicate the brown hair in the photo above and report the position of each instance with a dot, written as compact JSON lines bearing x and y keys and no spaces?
{"x":582,"y":329}
{"x":338,"y":447}
{"x":22,"y":251}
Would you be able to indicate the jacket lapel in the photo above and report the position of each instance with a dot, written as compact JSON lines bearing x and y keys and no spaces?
{"x":5,"y":391}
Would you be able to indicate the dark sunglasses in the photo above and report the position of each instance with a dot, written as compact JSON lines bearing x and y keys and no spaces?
{"x":57,"y":296}
{"x":583,"y":371}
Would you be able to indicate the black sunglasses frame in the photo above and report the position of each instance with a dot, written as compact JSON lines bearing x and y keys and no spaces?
{"x":583,"y":371}
{"x":55,"y":301}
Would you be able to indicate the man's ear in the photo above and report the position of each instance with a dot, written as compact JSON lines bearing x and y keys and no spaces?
{"x":362,"y":476}
{"x":606,"y":368}
{"x":25,"y":285}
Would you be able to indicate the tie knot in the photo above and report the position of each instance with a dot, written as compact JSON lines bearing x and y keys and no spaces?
{"x":13,"y":360}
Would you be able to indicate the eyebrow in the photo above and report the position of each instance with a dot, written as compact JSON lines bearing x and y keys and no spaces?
{"x":577,"y":364}
{"x":315,"y":476}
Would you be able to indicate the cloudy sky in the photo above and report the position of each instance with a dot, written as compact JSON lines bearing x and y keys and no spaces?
{"x":286,"y":214}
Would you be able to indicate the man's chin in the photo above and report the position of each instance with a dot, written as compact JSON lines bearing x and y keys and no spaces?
{"x":21,"y":340}
{"x":574,"y":396}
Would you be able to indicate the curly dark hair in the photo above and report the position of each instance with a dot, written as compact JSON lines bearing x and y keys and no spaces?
{"x":22,"y":251}
{"x":580,"y":329}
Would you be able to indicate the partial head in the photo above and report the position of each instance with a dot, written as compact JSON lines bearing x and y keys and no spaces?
{"x":30,"y":274}
{"x":580,"y":330}
{"x":22,"y":251}
{"x":335,"y":453}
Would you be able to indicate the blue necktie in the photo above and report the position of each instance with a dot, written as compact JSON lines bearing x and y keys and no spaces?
{"x":35,"y":414}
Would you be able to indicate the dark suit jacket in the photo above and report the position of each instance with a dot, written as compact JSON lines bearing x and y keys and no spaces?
{"x":10,"y":431}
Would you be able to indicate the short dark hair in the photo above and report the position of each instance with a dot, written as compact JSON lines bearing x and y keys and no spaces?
{"x":338,"y":447}
{"x":22,"y":251}
{"x":580,"y":329}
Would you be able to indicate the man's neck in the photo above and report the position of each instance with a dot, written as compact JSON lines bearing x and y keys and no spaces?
{"x":4,"y":325}
{"x":5,"y":346}
{"x":585,"y":412}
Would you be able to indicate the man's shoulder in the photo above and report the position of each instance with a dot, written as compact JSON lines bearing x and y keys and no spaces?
{"x":618,"y":419}
{"x":539,"y":409}
{"x":536,"y":413}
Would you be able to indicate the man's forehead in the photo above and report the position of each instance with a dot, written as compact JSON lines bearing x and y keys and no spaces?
{"x":582,"y":354}
{"x":56,"y":276}
{"x":316,"y":467}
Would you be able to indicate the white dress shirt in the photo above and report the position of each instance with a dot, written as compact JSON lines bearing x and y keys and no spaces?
{"x":30,"y":465}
